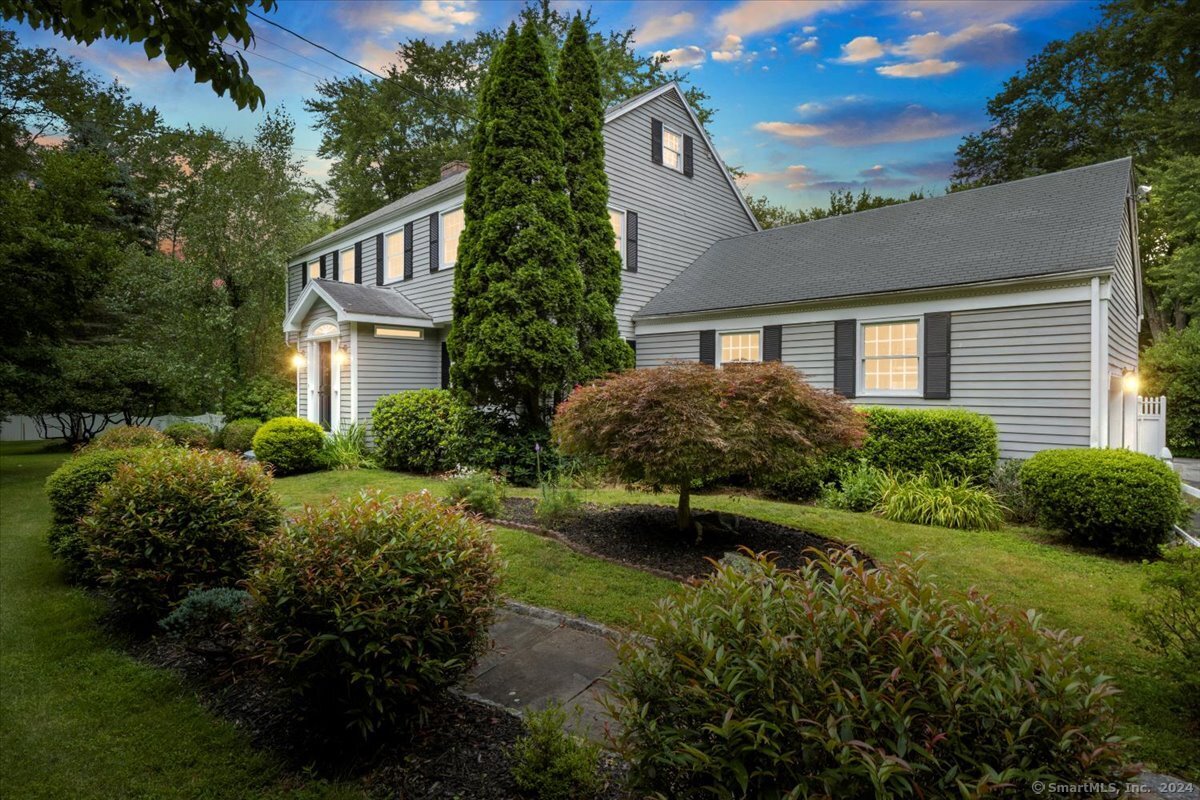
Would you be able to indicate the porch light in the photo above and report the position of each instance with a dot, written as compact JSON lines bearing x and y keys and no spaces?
{"x":341,"y":357}
{"x":1130,"y":382}
{"x":298,"y":360}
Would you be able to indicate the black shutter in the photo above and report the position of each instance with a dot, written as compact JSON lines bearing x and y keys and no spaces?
{"x":326,"y":265}
{"x":708,"y":347}
{"x":433,"y":242}
{"x":937,"y":356}
{"x":656,"y":141}
{"x":445,"y":366}
{"x":304,"y":275}
{"x":845,"y":356}
{"x":631,"y":241}
{"x":358,"y":262}
{"x":379,"y":259}
{"x":408,"y":251}
{"x":687,"y":156}
{"x":632,"y":344}
{"x":772,"y":343}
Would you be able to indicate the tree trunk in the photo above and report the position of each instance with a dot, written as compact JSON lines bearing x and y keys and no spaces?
{"x":683,"y":513}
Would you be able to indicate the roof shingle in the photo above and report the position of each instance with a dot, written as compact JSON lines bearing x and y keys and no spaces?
{"x":354,"y":298}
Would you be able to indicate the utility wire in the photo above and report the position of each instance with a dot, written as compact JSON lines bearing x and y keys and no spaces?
{"x":280,"y":63}
{"x":320,"y":64}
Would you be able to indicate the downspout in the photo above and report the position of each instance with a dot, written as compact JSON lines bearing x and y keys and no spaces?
{"x":1097,"y":366}
{"x":353,"y":373}
{"x":1105,"y":377}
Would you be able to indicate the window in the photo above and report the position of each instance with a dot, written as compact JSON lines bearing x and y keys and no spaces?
{"x":398,"y":333}
{"x":617,"y":218}
{"x":314,"y":269}
{"x":346,"y":267}
{"x":323,"y":331}
{"x":394,"y":269}
{"x":452,"y":228}
{"x":672,"y":152}
{"x":890,"y":357}
{"x":740,"y":346}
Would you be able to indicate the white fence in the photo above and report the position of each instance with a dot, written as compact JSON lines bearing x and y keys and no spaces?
{"x":25,"y":429}
{"x":1151,"y":425}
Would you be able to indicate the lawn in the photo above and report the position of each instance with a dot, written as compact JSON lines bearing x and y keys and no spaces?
{"x":1020,"y":567}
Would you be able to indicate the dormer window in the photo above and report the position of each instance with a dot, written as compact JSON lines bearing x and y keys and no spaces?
{"x":672,"y":149}
{"x":346,"y":265}
{"x":314,"y":269}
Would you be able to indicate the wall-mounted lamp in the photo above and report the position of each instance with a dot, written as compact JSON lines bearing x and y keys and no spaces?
{"x":1130,"y":382}
{"x":342,"y":357}
{"x":298,"y":360}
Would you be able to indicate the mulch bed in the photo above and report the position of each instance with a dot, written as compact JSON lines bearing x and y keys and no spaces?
{"x":646,"y":537}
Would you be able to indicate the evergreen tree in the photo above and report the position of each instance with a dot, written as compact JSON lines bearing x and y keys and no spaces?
{"x":517,"y":286}
{"x":601,"y":348}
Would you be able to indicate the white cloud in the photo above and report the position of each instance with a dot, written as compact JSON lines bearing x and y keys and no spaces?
{"x":967,"y":12}
{"x":757,"y":16}
{"x":730,"y":49}
{"x":792,"y":130}
{"x":915,"y":14}
{"x":805,"y":44}
{"x":658,"y":28}
{"x":861,"y":48}
{"x":809,"y":29}
{"x":376,"y":57}
{"x":686,"y":56}
{"x":796,"y":176}
{"x":428,"y":16}
{"x":919,"y":69}
{"x":858,"y":122}
{"x":929,"y":45}
{"x":810,"y":108}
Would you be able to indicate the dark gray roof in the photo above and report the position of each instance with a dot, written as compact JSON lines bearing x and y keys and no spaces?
{"x":1061,"y":222}
{"x":354,"y":298}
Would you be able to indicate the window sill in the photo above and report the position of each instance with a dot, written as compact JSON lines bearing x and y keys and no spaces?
{"x":890,"y":396}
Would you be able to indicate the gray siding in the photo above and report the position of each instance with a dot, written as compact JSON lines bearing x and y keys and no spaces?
{"x":656,"y":349}
{"x":809,"y":348}
{"x":294,"y":287}
{"x":368,"y":261}
{"x":387,"y":366}
{"x":678,"y":217}
{"x":1123,"y":323}
{"x":431,"y":291}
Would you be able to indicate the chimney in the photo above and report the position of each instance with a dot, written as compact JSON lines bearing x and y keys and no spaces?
{"x":453,"y":168}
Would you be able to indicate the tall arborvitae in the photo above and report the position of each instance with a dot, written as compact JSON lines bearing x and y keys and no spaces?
{"x":601,"y":348}
{"x":517,"y":287}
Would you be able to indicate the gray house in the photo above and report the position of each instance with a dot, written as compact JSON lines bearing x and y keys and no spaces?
{"x":1021,"y":300}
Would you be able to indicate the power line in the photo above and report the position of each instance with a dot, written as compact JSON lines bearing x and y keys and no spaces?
{"x":281,"y":63}
{"x":320,"y":64}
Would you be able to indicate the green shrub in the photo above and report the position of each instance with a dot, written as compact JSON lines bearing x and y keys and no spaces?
{"x":176,"y":520}
{"x":960,"y":443}
{"x":207,"y":617}
{"x":1006,"y":485}
{"x":844,"y":680}
{"x":71,"y":489}
{"x":559,"y":502}
{"x":190,"y":434}
{"x":238,"y":436}
{"x":941,"y":501}
{"x":290,"y":445}
{"x":1171,"y":366}
{"x":860,"y":489}
{"x":261,"y":398}
{"x":370,"y":605}
{"x":420,"y":431}
{"x":1169,"y":622}
{"x":1116,"y":500}
{"x":126,"y":437}
{"x":803,"y":481}
{"x":522,"y":457}
{"x":551,"y":763}
{"x":477,"y":491}
{"x":346,"y":449}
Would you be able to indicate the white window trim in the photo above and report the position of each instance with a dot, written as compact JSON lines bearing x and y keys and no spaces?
{"x":341,"y":263}
{"x":308,"y":265}
{"x":624,"y":226}
{"x":313,"y":377}
{"x":387,"y":254}
{"x":717,"y":357}
{"x":666,"y":128}
{"x":861,"y":359}
{"x":442,"y":236}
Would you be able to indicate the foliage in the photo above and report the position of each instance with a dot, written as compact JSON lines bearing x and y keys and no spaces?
{"x":960,"y":443}
{"x":1116,"y":500}
{"x":289,"y":445}
{"x":581,"y":109}
{"x":551,"y":763}
{"x":844,"y":201}
{"x":176,"y":520}
{"x":517,"y":285}
{"x":238,"y":436}
{"x":420,"y":431}
{"x":940,"y":500}
{"x":126,"y":437}
{"x":1006,"y":486}
{"x":477,"y":491}
{"x":801,"y":481}
{"x":558,"y":503}
{"x":1169,"y":622}
{"x":180,"y":31}
{"x":859,"y":488}
{"x":1171,"y":367}
{"x":190,"y":434}
{"x":388,"y":137}
{"x":207,"y":615}
{"x":496,"y":441}
{"x":1169,"y":231}
{"x":264,"y":397}
{"x":765,"y":683}
{"x":368,"y":606}
{"x":674,"y":424}
{"x":346,"y":448}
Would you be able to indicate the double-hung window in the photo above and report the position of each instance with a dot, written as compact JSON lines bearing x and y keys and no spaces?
{"x":741,"y":346}
{"x":394,"y":247}
{"x":672,"y":149}
{"x":617,"y":218}
{"x":346,"y":265}
{"x":452,"y":228}
{"x":891,"y":361}
{"x":314,"y":269}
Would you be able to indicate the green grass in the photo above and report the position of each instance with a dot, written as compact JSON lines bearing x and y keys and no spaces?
{"x":1021,"y":568}
{"x":81,"y":719}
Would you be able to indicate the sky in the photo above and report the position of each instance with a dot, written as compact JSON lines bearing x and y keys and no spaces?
{"x":810,"y":95}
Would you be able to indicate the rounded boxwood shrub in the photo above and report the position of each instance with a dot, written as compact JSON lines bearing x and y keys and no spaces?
{"x":420,"y":431}
{"x":845,"y":680}
{"x":176,"y":520}
{"x":369,"y":605}
{"x":289,"y":445}
{"x":190,"y":434}
{"x":71,"y":489}
{"x":914,"y":440}
{"x":238,"y":436}
{"x":128,"y":436}
{"x":1117,"y":500}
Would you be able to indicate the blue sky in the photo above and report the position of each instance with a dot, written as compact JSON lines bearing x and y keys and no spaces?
{"x":810,"y":94}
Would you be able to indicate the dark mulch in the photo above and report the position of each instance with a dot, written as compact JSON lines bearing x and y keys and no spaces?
{"x":647,"y":537}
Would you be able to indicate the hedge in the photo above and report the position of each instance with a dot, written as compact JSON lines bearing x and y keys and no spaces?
{"x":290,"y":445}
{"x":955,"y":442}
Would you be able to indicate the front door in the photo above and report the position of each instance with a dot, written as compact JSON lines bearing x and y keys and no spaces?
{"x":324,"y":384}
